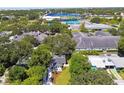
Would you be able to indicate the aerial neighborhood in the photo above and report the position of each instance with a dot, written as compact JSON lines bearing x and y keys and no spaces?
{"x":68,"y":46}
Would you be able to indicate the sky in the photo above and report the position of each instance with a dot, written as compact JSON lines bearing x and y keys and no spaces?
{"x":61,"y":3}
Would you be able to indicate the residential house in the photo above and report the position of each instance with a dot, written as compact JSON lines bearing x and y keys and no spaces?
{"x":58,"y":62}
{"x":95,"y":42}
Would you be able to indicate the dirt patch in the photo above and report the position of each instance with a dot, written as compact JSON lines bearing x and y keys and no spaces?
{"x":55,"y":75}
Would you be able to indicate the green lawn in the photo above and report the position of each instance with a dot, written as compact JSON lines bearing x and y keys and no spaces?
{"x":63,"y":77}
{"x":121,"y":74}
{"x":75,"y":31}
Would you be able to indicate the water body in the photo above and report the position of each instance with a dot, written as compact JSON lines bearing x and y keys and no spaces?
{"x":70,"y":22}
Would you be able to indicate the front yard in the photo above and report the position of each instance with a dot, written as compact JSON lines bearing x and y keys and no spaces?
{"x":63,"y":77}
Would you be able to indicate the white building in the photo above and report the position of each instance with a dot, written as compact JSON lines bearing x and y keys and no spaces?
{"x":95,"y":26}
{"x":49,"y":18}
{"x":104,"y":62}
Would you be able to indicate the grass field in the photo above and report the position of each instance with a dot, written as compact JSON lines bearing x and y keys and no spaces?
{"x":63,"y":77}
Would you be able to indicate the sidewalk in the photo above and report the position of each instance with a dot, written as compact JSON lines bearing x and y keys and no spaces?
{"x":115,"y":73}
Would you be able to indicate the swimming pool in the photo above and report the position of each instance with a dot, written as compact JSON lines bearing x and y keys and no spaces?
{"x":71,"y":22}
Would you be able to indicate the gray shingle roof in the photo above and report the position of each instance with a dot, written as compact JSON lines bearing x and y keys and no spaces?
{"x":96,"y":42}
{"x":38,"y":35}
{"x":58,"y":61}
{"x":101,"y":33}
{"x":41,"y":37}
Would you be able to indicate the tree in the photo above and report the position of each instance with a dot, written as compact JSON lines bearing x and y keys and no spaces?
{"x":79,"y":64}
{"x":60,"y":44}
{"x":2,"y":69}
{"x":120,"y":18}
{"x":19,"y":26}
{"x":121,"y":47}
{"x":35,"y":26}
{"x":36,"y":71}
{"x":14,"y":52}
{"x":31,"y":40}
{"x":96,"y":20}
{"x":81,"y":72}
{"x":113,"y":31}
{"x":17,"y":73}
{"x":98,"y":77}
{"x":83,"y":29}
{"x":121,"y":28}
{"x":41,"y":56}
{"x":57,"y":27}
{"x":31,"y":81}
{"x":4,"y":39}
{"x":8,"y":55}
{"x":33,"y":16}
{"x":16,"y":32}
{"x":44,"y":27}
{"x":36,"y":74}
{"x":24,"y":48}
{"x":11,"y":53}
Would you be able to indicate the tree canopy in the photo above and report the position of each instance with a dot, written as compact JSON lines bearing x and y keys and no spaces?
{"x":60,"y":44}
{"x":82,"y":74}
{"x":121,"y":46}
{"x":95,"y":20}
{"x":83,"y":29}
{"x":57,"y":27}
{"x":17,"y":73}
{"x":2,"y":69}
{"x":41,"y":56}
{"x":121,"y":28}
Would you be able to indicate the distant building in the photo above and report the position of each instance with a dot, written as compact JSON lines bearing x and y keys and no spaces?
{"x":74,"y":27}
{"x":49,"y":18}
{"x":90,"y":26}
{"x":104,"y":16}
{"x":94,"y":26}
